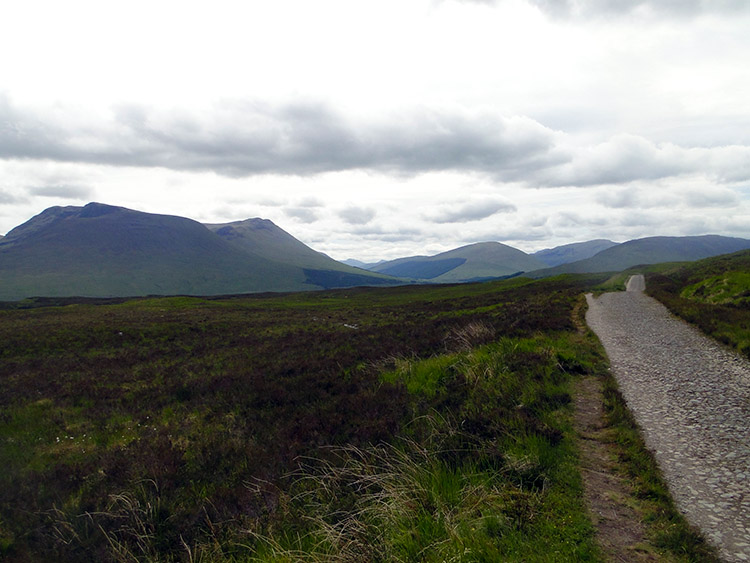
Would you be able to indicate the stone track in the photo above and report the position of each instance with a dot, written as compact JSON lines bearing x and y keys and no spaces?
{"x":691,"y":398}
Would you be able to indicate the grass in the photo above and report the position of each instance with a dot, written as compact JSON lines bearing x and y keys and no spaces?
{"x":713,"y":294}
{"x":203,"y":396}
{"x":417,"y":423}
{"x":490,"y":474}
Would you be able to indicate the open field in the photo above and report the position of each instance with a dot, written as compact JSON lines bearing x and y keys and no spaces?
{"x":367,"y":424}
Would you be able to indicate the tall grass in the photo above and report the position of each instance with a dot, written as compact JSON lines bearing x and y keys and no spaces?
{"x":203,"y":396}
{"x":493,"y":478}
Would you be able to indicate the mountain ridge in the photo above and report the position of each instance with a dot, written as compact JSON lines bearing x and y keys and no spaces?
{"x":572,"y":252}
{"x":100,"y":250}
{"x":482,"y":260}
{"x":650,"y":250}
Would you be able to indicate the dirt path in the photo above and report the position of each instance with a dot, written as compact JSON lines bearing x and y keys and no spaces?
{"x":691,"y":398}
{"x":620,"y":532}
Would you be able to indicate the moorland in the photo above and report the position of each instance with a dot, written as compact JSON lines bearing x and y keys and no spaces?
{"x":409,"y":423}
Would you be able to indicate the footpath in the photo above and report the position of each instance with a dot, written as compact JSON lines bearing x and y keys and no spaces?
{"x":691,"y":398}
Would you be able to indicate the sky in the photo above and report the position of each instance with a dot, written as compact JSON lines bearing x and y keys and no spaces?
{"x":375,"y":130}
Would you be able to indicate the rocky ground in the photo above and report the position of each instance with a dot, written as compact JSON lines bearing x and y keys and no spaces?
{"x":691,"y":398}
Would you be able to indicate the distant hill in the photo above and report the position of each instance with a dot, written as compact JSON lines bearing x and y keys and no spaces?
{"x":478,"y":261}
{"x":572,"y":252}
{"x":651,"y":250}
{"x":102,"y":251}
{"x":359,"y":264}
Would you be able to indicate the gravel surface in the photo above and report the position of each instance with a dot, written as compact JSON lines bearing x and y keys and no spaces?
{"x":691,"y":398}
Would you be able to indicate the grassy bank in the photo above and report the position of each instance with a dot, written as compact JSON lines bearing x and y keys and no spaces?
{"x":713,"y":294}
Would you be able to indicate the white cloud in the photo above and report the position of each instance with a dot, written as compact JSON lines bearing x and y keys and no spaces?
{"x":632,"y":116}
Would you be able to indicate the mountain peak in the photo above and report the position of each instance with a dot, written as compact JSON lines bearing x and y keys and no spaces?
{"x":95,"y":209}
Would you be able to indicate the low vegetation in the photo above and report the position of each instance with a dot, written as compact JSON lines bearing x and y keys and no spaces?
{"x":414,"y":423}
{"x":713,"y":294}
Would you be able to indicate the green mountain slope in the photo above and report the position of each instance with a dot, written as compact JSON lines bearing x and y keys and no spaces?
{"x":713,"y":294}
{"x":722,"y":280}
{"x":100,"y":251}
{"x":261,"y":237}
{"x":652,"y":250}
{"x":472,"y":262}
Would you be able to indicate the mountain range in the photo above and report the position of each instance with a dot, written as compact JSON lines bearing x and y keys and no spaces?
{"x":101,"y":250}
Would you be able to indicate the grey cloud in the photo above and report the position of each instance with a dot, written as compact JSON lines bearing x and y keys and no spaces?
{"x":610,"y":8}
{"x":639,"y":197}
{"x":619,"y":199}
{"x":9,"y":198}
{"x":380,"y":234}
{"x":63,"y":191}
{"x":267,"y":202}
{"x":357,"y":215}
{"x":653,"y":197}
{"x":310,"y":202}
{"x":473,"y":211}
{"x":302,"y":214}
{"x":243,"y":138}
{"x":623,"y":159}
{"x":714,"y":197}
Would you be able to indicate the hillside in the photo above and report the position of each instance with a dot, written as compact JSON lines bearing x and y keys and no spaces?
{"x":651,"y":250}
{"x":572,"y":252}
{"x":713,"y":294}
{"x":100,"y":251}
{"x":261,"y":237}
{"x":484,"y":260}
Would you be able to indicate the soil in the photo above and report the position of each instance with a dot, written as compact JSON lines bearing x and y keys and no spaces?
{"x":620,"y":532}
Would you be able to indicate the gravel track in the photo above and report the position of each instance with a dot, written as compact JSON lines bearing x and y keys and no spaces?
{"x":691,"y":398}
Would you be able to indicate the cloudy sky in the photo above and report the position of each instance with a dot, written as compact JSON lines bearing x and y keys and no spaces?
{"x":381,"y":129}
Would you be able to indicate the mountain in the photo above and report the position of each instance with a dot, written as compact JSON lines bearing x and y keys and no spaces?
{"x":261,"y":237}
{"x":651,"y":250}
{"x":478,"y":261}
{"x":100,"y":251}
{"x":359,"y":264}
{"x":572,"y":252}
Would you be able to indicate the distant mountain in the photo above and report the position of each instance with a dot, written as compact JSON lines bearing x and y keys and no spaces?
{"x":478,"y":261}
{"x":359,"y":264}
{"x":101,"y":251}
{"x":572,"y":252}
{"x":651,"y":250}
